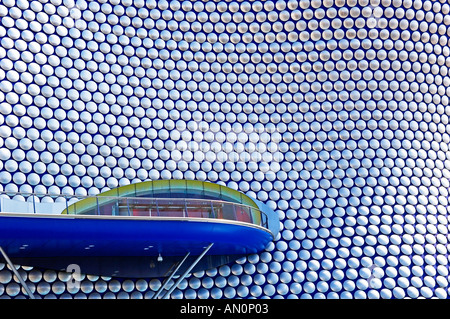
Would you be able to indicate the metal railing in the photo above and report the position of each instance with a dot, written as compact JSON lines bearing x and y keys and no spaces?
{"x":132,"y":206}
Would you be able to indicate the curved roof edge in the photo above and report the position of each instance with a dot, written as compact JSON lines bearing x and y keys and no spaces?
{"x":181,"y":186}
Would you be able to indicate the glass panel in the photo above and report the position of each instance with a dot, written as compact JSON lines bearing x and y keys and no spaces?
{"x":11,"y":205}
{"x":106,"y":206}
{"x":228,"y":211}
{"x":90,"y":211}
{"x":243,"y":214}
{"x":111,"y":193}
{"x":264,"y":220}
{"x":160,"y":189}
{"x":127,"y":191}
{"x":178,"y":189}
{"x":193,"y":210}
{"x":140,"y":206}
{"x":70,"y":204}
{"x":144,"y":189}
{"x":194,"y":189}
{"x":212,"y":190}
{"x":256,"y":216}
{"x":170,"y":208}
{"x":199,"y":209}
{"x":85,"y":206}
{"x":206,"y":209}
{"x":122,"y":207}
{"x":216,"y":209}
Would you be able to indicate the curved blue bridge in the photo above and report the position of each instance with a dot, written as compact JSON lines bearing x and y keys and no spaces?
{"x":150,"y":229}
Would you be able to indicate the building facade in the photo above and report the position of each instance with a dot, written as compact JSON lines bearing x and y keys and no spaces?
{"x":334,"y":113}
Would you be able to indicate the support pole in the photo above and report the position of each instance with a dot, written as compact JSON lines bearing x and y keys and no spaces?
{"x":170,"y":277}
{"x":34,"y":205}
{"x":27,"y":289}
{"x":175,"y":285}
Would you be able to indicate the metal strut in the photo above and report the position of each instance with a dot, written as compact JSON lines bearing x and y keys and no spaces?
{"x":11,"y":265}
{"x":175,"y":285}
{"x":155,"y":296}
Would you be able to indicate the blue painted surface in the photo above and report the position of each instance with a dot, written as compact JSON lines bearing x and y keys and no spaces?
{"x":57,"y":236}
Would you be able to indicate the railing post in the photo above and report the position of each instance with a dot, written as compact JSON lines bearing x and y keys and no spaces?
{"x":157,"y":208}
{"x":150,"y":210}
{"x":212,"y":210}
{"x":34,"y":205}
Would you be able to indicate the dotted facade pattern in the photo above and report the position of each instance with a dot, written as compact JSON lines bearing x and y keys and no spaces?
{"x":334,"y":112}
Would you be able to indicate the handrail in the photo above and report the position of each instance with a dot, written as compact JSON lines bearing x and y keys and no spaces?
{"x":129,"y":202}
{"x":81,"y":197}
